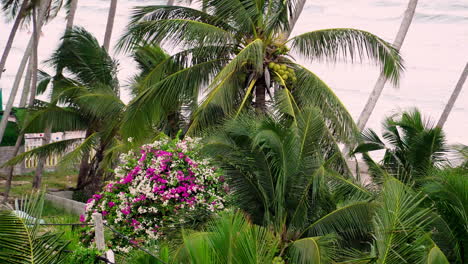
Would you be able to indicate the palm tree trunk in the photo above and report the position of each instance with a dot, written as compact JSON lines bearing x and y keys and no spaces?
{"x":40,"y":164}
{"x":110,"y":24}
{"x":47,"y":133}
{"x":11,"y":169}
{"x":95,"y":174}
{"x":13,"y":32}
{"x":14,"y":89}
{"x":71,"y":14}
{"x":84,"y":166}
{"x":38,"y":21}
{"x":453,"y":97}
{"x":379,"y":86}
{"x":26,"y":86}
{"x":260,"y":101}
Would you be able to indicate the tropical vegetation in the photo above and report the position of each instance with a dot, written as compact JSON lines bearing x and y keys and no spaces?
{"x":229,"y":150}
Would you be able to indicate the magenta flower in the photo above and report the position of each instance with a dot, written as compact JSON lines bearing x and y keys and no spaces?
{"x":126,"y":211}
{"x":111,"y":204}
{"x":82,"y":218}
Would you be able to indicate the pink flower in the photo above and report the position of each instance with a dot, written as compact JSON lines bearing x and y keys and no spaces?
{"x":111,"y":204}
{"x":126,"y":211}
{"x":82,"y":218}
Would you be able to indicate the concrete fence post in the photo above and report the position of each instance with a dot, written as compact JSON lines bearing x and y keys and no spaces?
{"x":99,"y":231}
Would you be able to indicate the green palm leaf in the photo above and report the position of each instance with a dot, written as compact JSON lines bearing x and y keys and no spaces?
{"x":21,"y":239}
{"x":313,"y":250}
{"x":312,"y":91}
{"x":399,"y":223}
{"x":335,"y":44}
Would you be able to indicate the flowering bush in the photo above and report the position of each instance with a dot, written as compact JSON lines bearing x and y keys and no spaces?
{"x":164,"y":186}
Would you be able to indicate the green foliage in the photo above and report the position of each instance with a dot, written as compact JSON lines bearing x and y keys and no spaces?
{"x":400,"y":224}
{"x":414,"y":148}
{"x":447,"y":190}
{"x":226,"y":51}
{"x":230,"y":238}
{"x":84,"y":255}
{"x":278,"y":172}
{"x":21,"y":239}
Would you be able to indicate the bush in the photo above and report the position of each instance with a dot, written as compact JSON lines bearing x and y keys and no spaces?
{"x":84,"y":255}
{"x":166,"y":185}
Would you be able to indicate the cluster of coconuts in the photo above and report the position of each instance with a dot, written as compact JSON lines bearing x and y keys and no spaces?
{"x":286,"y":73}
{"x":278,"y":260}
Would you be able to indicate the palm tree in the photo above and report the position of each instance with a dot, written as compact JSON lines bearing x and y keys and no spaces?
{"x":11,"y":6}
{"x":453,"y":97}
{"x":290,"y":176}
{"x":72,"y":6}
{"x":415,"y":147}
{"x":85,"y":100}
{"x":147,"y":58}
{"x":447,"y":191}
{"x":110,"y":23}
{"x":236,"y":51}
{"x":22,"y":239}
{"x":401,"y":225}
{"x":229,"y":238}
{"x":378,"y":88}
{"x":48,"y":9}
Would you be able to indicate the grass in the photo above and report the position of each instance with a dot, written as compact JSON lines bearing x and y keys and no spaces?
{"x":54,"y":215}
{"x":50,"y":180}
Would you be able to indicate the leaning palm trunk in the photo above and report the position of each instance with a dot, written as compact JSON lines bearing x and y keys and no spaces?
{"x":13,"y":32}
{"x":26,"y":86}
{"x":453,"y":97}
{"x":47,"y":133}
{"x":110,"y":24}
{"x":378,"y":88}
{"x":41,"y":163}
{"x":14,"y":90}
{"x":38,"y":22}
{"x":71,"y":14}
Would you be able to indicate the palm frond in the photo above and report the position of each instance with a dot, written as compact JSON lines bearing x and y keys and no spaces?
{"x":313,"y":250}
{"x":223,"y":90}
{"x":21,"y":239}
{"x":58,"y":147}
{"x":176,"y":32}
{"x":310,"y":90}
{"x":350,"y":220}
{"x":399,"y":224}
{"x":334,"y":44}
{"x":436,"y":256}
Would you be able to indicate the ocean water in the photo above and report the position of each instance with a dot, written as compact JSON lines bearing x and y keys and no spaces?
{"x":435,"y":52}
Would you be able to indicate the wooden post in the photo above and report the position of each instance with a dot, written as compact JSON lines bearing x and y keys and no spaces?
{"x":99,"y":231}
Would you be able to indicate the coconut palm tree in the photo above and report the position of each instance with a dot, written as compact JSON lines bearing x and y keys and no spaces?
{"x":236,"y":51}
{"x":72,"y":6}
{"x":447,"y":191}
{"x":412,"y":147}
{"x":83,"y":97}
{"x":16,"y":10}
{"x":110,"y":24}
{"x":378,"y":88}
{"x":47,"y":9}
{"x":453,"y":97}
{"x":290,"y":176}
